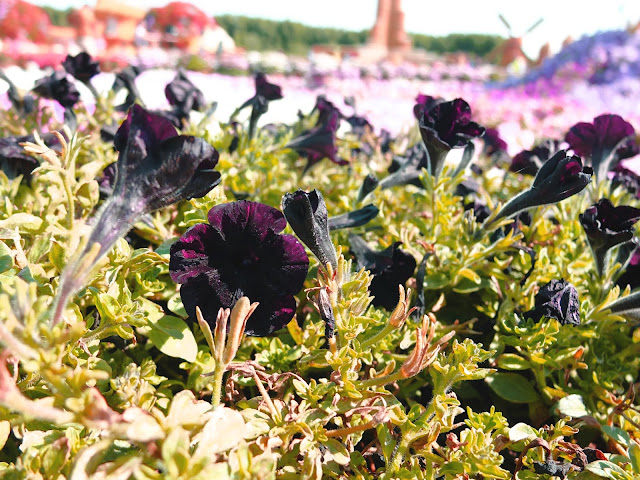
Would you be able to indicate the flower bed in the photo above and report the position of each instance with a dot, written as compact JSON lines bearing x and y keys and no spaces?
{"x":271,"y":294}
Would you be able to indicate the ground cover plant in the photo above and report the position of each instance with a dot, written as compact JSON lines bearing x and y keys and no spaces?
{"x":312,"y":300}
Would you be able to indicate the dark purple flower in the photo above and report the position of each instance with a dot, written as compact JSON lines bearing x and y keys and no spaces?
{"x":359,"y":125}
{"x":628,"y":179}
{"x":527,"y":162}
{"x":241,"y":252}
{"x":82,"y":67}
{"x":57,"y":87}
{"x":158,"y":167}
{"x":493,"y":143}
{"x":15,"y":161}
{"x":183,"y":95}
{"x":557,"y":299}
{"x":259,"y":103}
{"x":270,"y":91}
{"x":445,"y":126}
{"x":318,"y":143}
{"x":390,"y":267}
{"x":325,"y":110}
{"x":607,"y":226}
{"x":307,"y":214}
{"x":609,"y":138}
{"x":425,"y":102}
{"x":480,"y":210}
{"x":155,"y":168}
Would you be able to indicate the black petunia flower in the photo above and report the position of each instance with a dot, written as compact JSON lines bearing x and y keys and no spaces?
{"x":325,"y":109}
{"x":318,"y":143}
{"x":390,"y":267}
{"x":559,"y":177}
{"x":15,"y":161}
{"x":307,"y":214}
{"x":628,"y":179}
{"x":445,"y":126}
{"x":57,"y":87}
{"x":607,"y":226}
{"x":270,"y":91}
{"x":557,"y":299}
{"x":259,"y":103}
{"x":156,"y":167}
{"x":425,"y":102}
{"x":82,"y":67}
{"x":528,"y":162}
{"x":241,"y":252}
{"x":493,"y":143}
{"x":608,"y":139}
{"x":126,"y":78}
{"x":184,"y":96}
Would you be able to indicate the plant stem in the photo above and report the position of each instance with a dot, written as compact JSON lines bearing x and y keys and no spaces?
{"x":218,"y":373}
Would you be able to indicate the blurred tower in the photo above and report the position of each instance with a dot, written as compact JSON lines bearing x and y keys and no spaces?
{"x":388,"y":33}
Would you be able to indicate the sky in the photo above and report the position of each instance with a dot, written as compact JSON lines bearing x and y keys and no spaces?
{"x":561,"y":18}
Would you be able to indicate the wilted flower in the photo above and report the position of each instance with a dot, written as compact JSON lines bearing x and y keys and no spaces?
{"x":82,"y":67}
{"x":607,"y":226}
{"x":184,"y":96}
{"x":390,"y":267}
{"x":560,"y":177}
{"x":608,"y":138}
{"x":15,"y":161}
{"x":318,"y":143}
{"x":445,"y":126}
{"x":156,"y":167}
{"x":241,"y":252}
{"x":57,"y":87}
{"x":557,"y":299}
{"x":307,"y":214}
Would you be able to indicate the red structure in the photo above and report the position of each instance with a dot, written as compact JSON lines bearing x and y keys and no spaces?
{"x":388,"y":31}
{"x":179,"y":23}
{"x":22,"y":20}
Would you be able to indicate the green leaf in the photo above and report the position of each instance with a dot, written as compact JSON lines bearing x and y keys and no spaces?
{"x":6,"y":259}
{"x":172,"y":336}
{"x":512,"y":387}
{"x":634,"y":455}
{"x":511,"y":361}
{"x":436,"y":281}
{"x":521,"y":431}
{"x":175,"y":305}
{"x":571,"y":406}
{"x":605,"y":469}
{"x":618,"y":435}
{"x":387,"y":442}
{"x":24,"y":222}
